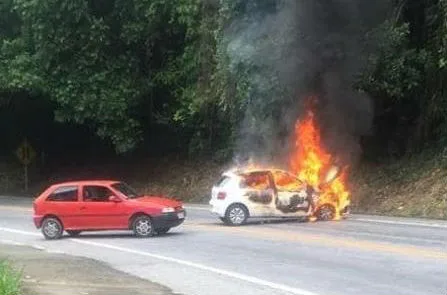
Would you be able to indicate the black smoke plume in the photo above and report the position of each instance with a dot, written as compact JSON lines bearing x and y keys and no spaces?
{"x":289,"y":50}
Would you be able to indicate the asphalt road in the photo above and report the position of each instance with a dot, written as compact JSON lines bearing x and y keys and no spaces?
{"x":364,"y":255}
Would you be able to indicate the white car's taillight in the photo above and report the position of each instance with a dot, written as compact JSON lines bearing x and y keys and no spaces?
{"x":221,"y":195}
{"x":168,"y":210}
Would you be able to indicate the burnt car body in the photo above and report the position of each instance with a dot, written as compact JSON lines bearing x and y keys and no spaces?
{"x":266,"y":193}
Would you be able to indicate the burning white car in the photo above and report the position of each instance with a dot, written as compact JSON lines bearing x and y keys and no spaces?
{"x":263,"y":193}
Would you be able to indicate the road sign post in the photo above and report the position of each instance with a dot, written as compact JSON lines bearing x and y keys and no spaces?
{"x":26,"y":154}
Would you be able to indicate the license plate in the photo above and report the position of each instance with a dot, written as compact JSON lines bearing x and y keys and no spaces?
{"x":181,"y":215}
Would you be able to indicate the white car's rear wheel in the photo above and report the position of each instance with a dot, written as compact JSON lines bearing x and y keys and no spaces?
{"x":236,"y":215}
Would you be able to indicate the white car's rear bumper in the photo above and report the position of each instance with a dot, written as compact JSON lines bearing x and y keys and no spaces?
{"x":218,"y":207}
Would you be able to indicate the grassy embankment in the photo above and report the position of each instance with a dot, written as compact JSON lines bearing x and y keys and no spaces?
{"x":9,"y":280}
{"x":414,"y":187}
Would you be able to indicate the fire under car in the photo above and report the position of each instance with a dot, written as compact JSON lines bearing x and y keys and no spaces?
{"x":271,"y":193}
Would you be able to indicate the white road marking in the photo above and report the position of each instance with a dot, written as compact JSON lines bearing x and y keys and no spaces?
{"x":16,"y":208}
{"x":408,"y":223}
{"x":215,"y":270}
{"x":227,"y":273}
{"x":11,"y":242}
{"x":18,"y":231}
{"x":55,"y":251}
{"x":197,"y":208}
{"x":38,"y":247}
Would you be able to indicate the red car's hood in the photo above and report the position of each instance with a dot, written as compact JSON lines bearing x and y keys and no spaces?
{"x":162,"y":201}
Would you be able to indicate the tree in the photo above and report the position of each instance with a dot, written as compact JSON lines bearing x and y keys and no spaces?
{"x":407,"y":76}
{"x":97,"y":60}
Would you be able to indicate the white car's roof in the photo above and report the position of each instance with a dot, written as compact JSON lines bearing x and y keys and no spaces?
{"x":237,"y":172}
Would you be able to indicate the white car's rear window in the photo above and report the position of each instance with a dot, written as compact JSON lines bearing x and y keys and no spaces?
{"x":224,"y":180}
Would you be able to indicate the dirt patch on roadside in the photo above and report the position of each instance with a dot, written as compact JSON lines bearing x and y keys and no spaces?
{"x":56,"y":274}
{"x":413,"y":187}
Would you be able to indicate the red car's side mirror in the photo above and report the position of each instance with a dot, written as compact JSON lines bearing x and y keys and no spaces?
{"x":114,"y":199}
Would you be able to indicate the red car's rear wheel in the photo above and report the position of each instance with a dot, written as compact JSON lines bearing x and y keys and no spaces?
{"x":52,"y":228}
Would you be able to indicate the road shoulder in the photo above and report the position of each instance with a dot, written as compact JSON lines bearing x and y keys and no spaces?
{"x":53,"y":273}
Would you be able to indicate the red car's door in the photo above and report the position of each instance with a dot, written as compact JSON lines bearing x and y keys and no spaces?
{"x":64,"y":203}
{"x":98,"y":212}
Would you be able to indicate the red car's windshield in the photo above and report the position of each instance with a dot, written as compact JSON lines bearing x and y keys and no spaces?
{"x":126,"y":190}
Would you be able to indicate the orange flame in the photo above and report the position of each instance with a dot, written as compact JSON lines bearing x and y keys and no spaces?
{"x":310,"y":161}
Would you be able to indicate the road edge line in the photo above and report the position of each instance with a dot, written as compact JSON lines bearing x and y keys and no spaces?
{"x":199,"y":266}
{"x":395,"y":222}
{"x":18,"y":231}
{"x":195,"y":207}
{"x":227,"y":273}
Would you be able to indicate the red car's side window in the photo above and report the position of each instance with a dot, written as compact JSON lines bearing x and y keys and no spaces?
{"x":64,"y":194}
{"x":96,"y":193}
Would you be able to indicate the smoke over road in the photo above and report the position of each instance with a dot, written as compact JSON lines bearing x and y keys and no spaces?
{"x":289,"y":50}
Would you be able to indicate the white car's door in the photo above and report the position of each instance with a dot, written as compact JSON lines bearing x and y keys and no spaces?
{"x":260,"y":203}
{"x":258,"y":194}
{"x":289,"y":190}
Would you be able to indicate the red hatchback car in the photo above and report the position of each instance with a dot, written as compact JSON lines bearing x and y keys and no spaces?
{"x":103,"y":205}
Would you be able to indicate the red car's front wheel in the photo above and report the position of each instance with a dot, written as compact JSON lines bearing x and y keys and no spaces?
{"x":142,"y":226}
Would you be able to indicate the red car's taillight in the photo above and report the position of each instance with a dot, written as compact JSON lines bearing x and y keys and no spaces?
{"x":221,"y":195}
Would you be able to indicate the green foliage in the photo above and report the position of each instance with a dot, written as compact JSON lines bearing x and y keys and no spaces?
{"x":122,"y":66}
{"x":9,"y":280}
{"x":97,"y":60}
{"x":397,"y":70}
{"x":407,"y":75}
{"x":200,"y":80}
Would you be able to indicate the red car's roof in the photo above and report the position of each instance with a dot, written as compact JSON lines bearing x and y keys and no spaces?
{"x":87,"y":182}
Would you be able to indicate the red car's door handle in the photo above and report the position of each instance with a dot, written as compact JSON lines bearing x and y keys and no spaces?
{"x":83,"y":208}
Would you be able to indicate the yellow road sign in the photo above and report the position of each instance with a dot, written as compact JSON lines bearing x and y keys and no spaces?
{"x":25,"y":153}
